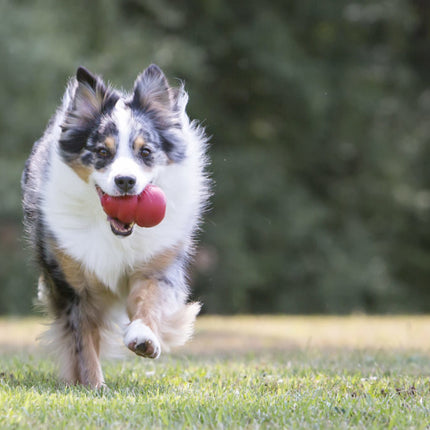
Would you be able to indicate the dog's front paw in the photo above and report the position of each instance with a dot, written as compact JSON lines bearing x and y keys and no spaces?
{"x":140,"y":339}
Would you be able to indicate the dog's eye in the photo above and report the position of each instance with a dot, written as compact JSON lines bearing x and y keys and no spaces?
{"x":103,"y":152}
{"x":145,"y":152}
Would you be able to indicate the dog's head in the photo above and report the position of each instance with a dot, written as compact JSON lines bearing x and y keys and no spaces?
{"x":118,"y":143}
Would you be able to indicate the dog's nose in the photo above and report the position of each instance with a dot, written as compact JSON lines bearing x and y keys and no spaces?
{"x":125,"y":183}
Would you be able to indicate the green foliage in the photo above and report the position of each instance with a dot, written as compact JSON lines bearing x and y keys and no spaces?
{"x":318,"y":113}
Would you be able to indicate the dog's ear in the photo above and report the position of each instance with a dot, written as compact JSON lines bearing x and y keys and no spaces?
{"x":89,"y":99}
{"x":151,"y":90}
{"x":92,"y":96}
{"x":84,"y":76}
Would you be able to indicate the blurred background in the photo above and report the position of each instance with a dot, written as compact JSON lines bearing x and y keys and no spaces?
{"x":319,"y":116}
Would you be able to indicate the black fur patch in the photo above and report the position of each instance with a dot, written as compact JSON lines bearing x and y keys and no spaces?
{"x":87,"y":158}
{"x":74,"y":139}
{"x":84,"y":75}
{"x":108,"y":129}
{"x":101,"y":163}
{"x":62,"y":295}
{"x":91,"y":101}
{"x":173,"y":145}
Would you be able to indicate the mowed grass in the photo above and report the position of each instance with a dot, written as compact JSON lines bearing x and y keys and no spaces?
{"x":238,"y":372}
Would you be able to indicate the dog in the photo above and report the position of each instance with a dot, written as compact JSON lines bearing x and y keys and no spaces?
{"x":98,"y":274}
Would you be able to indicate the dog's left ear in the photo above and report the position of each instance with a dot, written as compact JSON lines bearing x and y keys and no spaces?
{"x":151,"y":90}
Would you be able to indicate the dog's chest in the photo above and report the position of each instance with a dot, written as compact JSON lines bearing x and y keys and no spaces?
{"x":102,"y":254}
{"x":88,"y":239}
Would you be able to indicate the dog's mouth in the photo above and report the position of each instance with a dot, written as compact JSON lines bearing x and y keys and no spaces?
{"x":118,"y":227}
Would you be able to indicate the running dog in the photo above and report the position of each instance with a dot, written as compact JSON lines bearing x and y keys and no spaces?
{"x":98,"y":272}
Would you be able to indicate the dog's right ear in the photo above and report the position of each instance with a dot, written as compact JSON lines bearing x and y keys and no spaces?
{"x":89,"y":99}
{"x":92,"y":96}
{"x":84,"y":76}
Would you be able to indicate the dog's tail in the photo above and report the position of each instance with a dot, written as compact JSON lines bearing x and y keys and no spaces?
{"x":178,"y":328}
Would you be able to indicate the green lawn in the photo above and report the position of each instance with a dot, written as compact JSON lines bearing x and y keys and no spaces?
{"x":242,"y":372}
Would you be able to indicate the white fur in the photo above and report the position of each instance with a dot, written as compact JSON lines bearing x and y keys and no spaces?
{"x":73,"y":212}
{"x":137,"y":332}
{"x":122,"y":115}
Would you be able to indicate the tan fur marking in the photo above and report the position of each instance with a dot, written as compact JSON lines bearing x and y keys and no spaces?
{"x":84,"y":282}
{"x":139,"y":143}
{"x":110,"y":144}
{"x":90,"y":369}
{"x":156,"y":265}
{"x":82,"y":171}
{"x":142,"y":298}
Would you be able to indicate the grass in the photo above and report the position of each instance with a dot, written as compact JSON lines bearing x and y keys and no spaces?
{"x":238,"y":372}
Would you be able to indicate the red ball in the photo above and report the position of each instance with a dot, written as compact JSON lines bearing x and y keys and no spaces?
{"x":151,"y":207}
{"x":146,"y":209}
{"x":122,"y":208}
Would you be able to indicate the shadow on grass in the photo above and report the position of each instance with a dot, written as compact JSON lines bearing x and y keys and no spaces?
{"x":40,"y":381}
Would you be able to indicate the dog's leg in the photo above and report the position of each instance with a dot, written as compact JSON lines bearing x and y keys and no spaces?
{"x":86,"y":340}
{"x":159,"y":317}
{"x":76,"y":342}
{"x":74,"y":336}
{"x":140,"y":335}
